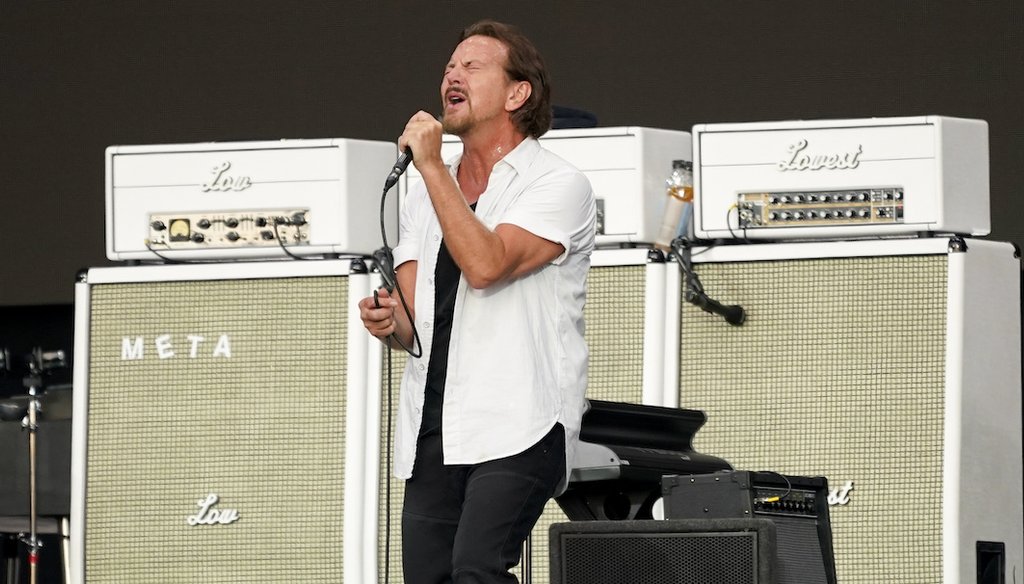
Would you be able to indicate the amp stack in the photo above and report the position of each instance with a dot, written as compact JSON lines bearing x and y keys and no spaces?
{"x":882,"y":341}
{"x":221,"y":419}
{"x":233,"y":419}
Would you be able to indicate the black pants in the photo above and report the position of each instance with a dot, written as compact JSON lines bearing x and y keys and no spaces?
{"x":467,"y":523}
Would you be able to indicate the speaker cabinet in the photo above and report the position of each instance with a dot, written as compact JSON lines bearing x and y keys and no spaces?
{"x":220,"y":429}
{"x":797,"y":506}
{"x":701,"y":551}
{"x":625,"y":331}
{"x":890,"y":367}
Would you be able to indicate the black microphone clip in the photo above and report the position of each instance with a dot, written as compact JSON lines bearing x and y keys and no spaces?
{"x":386,"y":264}
{"x":398,"y":169}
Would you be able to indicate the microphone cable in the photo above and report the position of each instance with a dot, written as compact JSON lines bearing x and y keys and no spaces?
{"x":386,"y":266}
{"x":386,"y":263}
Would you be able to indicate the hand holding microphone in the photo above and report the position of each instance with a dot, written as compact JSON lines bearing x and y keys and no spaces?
{"x":424,"y":131}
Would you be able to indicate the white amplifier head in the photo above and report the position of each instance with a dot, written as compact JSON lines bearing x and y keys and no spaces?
{"x":841,"y":178}
{"x":247,"y":200}
{"x":627,"y":167}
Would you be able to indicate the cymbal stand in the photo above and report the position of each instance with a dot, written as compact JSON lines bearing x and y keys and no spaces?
{"x":38,"y":363}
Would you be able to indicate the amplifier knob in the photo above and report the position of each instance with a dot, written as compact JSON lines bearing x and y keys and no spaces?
{"x":198,"y":237}
{"x":266,"y":235}
{"x":231,"y":222}
{"x":299,"y":219}
{"x":158,"y":226}
{"x":261,"y":222}
{"x":232,"y":236}
{"x":203,"y":223}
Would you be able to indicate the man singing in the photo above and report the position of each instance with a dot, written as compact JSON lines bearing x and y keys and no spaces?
{"x":493,"y":256}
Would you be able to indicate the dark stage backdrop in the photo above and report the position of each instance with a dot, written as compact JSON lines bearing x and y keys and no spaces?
{"x":76,"y":77}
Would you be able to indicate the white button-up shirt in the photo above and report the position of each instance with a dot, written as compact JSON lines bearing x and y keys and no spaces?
{"x":517,"y":360}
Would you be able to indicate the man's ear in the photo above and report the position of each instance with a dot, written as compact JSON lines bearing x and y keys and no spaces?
{"x":520,"y":92}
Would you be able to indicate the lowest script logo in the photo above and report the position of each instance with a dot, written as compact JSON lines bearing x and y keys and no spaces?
{"x":798,"y":159}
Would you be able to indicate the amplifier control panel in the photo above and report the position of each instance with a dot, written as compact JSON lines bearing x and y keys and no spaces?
{"x":810,"y":208}
{"x":782,"y":501}
{"x":225,"y":229}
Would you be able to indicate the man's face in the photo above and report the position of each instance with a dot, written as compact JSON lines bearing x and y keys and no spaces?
{"x":475,"y":88}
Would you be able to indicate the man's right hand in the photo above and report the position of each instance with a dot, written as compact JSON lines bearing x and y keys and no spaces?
{"x":378,"y":313}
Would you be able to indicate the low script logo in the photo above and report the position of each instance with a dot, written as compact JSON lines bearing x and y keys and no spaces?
{"x":222,"y":182}
{"x":800,"y":160}
{"x":209,"y":516}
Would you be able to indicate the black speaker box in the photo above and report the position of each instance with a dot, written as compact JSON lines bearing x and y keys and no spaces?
{"x":797,"y":506}
{"x":692,"y":551}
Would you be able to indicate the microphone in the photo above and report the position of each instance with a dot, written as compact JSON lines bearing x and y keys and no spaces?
{"x":733,"y":313}
{"x":694,"y":294}
{"x":396,"y":171}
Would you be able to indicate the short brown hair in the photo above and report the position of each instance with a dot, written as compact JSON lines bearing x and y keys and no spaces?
{"x":524,"y":64}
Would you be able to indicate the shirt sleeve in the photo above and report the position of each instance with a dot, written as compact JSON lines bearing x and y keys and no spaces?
{"x":558,"y":206}
{"x":409,"y":239}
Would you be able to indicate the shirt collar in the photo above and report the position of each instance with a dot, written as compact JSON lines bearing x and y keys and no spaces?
{"x":519,"y":159}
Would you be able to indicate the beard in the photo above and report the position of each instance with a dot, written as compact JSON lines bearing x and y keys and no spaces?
{"x":457,"y":126}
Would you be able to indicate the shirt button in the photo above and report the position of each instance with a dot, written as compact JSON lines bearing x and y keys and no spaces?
{"x":426,"y":323}
{"x":422,"y":367}
{"x":437,"y":237}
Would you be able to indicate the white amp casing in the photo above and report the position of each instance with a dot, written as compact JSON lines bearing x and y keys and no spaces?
{"x":627,"y":167}
{"x":937,"y":165}
{"x":339,"y":181}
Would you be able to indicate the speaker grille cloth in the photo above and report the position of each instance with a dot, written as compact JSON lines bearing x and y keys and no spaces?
{"x":614,"y":316}
{"x":688,"y":558}
{"x":263,"y":429}
{"x":838,"y":371}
